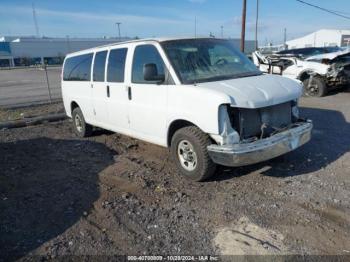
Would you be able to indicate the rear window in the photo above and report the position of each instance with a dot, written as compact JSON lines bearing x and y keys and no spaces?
{"x":78,"y":68}
{"x":99,"y":66}
{"x":116,"y":65}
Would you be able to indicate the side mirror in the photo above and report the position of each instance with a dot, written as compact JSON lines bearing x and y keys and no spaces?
{"x":150,"y":73}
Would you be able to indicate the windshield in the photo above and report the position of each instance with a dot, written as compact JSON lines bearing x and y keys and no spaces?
{"x":204,"y":60}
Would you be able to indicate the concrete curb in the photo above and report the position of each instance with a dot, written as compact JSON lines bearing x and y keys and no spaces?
{"x":32,"y":121}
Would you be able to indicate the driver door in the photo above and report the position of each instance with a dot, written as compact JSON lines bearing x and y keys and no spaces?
{"x":147,"y":99}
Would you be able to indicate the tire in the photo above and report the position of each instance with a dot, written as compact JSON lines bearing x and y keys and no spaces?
{"x":318,"y":87}
{"x":346,"y":87}
{"x":199,"y":164}
{"x":81,"y":128}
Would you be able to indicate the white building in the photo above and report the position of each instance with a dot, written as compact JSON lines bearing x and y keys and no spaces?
{"x":16,"y":51}
{"x":322,"y":38}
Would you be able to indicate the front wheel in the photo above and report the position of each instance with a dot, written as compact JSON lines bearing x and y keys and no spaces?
{"x":190,"y":154}
{"x":315,"y":86}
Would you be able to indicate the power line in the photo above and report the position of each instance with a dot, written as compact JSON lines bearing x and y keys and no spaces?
{"x":324,"y":9}
{"x":340,"y":12}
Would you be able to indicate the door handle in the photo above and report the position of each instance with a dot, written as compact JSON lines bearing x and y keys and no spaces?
{"x":129,"y":93}
{"x":108,"y":94}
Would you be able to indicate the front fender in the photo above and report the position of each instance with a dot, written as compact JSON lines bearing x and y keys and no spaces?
{"x":318,"y":69}
{"x":196,"y":105}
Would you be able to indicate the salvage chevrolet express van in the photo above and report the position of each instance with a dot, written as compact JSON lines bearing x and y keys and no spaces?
{"x":201,"y":97}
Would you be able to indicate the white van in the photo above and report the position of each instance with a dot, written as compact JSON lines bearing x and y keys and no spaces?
{"x":200,"y":97}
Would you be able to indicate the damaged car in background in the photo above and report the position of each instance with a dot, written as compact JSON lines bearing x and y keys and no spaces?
{"x":319,"y":71}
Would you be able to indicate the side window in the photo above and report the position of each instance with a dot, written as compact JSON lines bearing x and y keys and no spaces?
{"x":145,"y":54}
{"x":116,"y":65}
{"x":99,"y":66}
{"x":77,"y":68}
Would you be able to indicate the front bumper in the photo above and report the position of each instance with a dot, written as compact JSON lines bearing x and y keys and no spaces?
{"x":338,"y":78}
{"x":261,"y":150}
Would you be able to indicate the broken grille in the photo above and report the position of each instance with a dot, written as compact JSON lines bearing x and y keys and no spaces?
{"x":261,"y":122}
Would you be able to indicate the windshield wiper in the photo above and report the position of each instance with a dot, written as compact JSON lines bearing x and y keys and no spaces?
{"x":222,"y":77}
{"x":225,"y":77}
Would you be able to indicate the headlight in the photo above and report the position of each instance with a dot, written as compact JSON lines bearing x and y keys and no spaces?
{"x":295,"y":109}
{"x":228,"y":134}
{"x":295,"y":112}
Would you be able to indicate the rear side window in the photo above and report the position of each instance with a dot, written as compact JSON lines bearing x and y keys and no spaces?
{"x":77,"y":68}
{"x":145,"y":54}
{"x":116,"y":65}
{"x":99,"y":66}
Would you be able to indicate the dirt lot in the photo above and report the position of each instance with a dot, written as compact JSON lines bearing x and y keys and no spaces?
{"x":30,"y":111}
{"x":111,"y":194}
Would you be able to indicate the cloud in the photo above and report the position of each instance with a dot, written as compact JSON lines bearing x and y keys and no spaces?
{"x":92,"y":16}
{"x":89,"y":24}
{"x":166,"y":22}
{"x":250,"y":24}
{"x":197,"y":1}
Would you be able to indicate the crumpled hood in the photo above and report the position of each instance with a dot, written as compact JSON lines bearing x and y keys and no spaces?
{"x":330,"y":56}
{"x":257,"y":91}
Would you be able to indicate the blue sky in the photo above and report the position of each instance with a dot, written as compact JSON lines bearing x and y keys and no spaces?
{"x":147,"y":18}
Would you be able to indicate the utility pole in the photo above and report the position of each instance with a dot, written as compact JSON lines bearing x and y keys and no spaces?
{"x":118,"y":25}
{"x":244,"y":14}
{"x":256,"y":25}
{"x":68,"y":44}
{"x":285,"y":38}
{"x":195,"y":27}
{"x":222,"y":31}
{"x":35,"y":21}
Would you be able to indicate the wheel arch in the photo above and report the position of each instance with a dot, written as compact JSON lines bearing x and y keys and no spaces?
{"x":176,"y":125}
{"x":73,"y":105}
{"x":306,"y":74}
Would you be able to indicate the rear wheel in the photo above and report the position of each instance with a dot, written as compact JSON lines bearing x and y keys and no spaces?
{"x":190,"y":154}
{"x":81,"y":128}
{"x":315,"y":86}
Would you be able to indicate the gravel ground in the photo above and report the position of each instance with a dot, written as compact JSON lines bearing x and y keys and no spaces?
{"x":110,"y":194}
{"x":9,"y":114}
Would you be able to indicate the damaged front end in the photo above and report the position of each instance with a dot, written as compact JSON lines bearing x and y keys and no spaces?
{"x":250,"y":136}
{"x":338,"y":74}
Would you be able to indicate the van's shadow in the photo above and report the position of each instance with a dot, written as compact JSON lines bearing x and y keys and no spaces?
{"x":330,"y":140}
{"x":46,"y":185}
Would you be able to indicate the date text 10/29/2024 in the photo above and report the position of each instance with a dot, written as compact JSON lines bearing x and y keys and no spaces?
{"x":172,"y":258}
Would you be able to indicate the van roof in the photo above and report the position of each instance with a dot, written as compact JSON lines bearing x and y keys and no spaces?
{"x":157,"y":39}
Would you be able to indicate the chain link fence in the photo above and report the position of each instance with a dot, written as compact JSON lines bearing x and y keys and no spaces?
{"x":30,"y":85}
